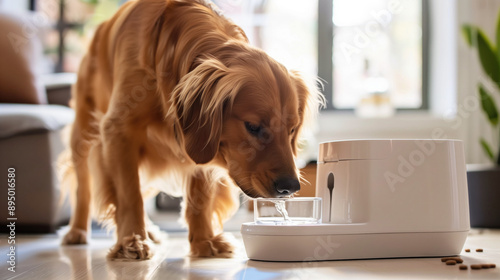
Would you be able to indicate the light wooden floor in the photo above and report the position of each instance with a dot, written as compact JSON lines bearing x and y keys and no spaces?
{"x":41,"y":257}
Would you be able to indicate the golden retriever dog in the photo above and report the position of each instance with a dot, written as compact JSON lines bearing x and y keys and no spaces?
{"x":171,"y":95}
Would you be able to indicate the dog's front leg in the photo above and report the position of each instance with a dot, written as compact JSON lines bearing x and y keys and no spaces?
{"x":121,"y":155}
{"x":204,"y":201}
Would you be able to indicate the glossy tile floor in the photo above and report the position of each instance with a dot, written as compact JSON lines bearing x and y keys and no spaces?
{"x":41,"y":257}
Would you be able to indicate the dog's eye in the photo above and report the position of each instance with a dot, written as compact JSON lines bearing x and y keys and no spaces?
{"x":253,"y":129}
{"x":292,"y":131}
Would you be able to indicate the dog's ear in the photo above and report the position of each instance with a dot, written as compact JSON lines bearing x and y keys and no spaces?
{"x":310,"y":100}
{"x":200,"y":100}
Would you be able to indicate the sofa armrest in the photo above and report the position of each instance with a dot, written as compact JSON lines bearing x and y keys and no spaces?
{"x":58,"y":87}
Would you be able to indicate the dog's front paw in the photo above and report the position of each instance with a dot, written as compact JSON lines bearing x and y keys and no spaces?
{"x":132,"y":247}
{"x":216,"y":247}
{"x":75,"y":236}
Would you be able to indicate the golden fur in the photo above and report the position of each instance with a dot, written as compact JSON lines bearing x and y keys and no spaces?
{"x":171,"y":95}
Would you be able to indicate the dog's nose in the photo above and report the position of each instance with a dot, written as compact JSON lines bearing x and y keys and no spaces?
{"x":286,"y":185}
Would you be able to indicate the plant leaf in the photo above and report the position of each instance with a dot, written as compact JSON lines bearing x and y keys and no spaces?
{"x":488,"y":58}
{"x":467,"y":32}
{"x":488,"y":105}
{"x":487,"y":150}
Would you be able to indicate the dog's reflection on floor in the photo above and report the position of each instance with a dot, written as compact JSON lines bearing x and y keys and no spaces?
{"x":171,"y":261}
{"x":86,"y":265}
{"x":79,"y":260}
{"x":130,"y":269}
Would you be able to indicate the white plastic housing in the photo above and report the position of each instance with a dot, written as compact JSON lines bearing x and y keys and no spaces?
{"x":389,"y":198}
{"x":395,"y":185}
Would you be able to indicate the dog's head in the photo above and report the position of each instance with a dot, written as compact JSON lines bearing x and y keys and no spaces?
{"x":245,"y":111}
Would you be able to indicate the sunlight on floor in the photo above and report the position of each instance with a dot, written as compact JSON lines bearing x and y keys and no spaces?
{"x":41,"y":257}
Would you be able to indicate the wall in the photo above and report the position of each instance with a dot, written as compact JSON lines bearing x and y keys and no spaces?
{"x":454,"y":72}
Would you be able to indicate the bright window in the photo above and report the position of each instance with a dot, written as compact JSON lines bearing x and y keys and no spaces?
{"x":362,"y":49}
{"x":286,"y":30}
{"x":377,"y":53}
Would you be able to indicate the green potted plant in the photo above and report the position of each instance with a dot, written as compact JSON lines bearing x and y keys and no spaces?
{"x":484,"y":183}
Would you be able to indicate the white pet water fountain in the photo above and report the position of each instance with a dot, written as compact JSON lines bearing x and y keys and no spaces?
{"x":376,"y":199}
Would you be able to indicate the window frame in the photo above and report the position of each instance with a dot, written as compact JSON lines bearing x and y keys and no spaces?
{"x":61,"y":26}
{"x":325,"y":55}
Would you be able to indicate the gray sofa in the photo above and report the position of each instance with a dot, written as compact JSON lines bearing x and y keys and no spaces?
{"x":30,"y":142}
{"x":30,"y":130}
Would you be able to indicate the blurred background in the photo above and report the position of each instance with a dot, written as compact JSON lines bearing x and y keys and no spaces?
{"x":386,"y":65}
{"x":388,"y":68}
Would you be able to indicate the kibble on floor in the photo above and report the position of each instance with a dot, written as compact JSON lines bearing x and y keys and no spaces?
{"x":451,"y":262}
{"x":476,"y":266}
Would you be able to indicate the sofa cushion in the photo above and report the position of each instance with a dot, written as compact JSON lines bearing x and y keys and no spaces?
{"x":24,"y":118}
{"x":21,"y":56}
